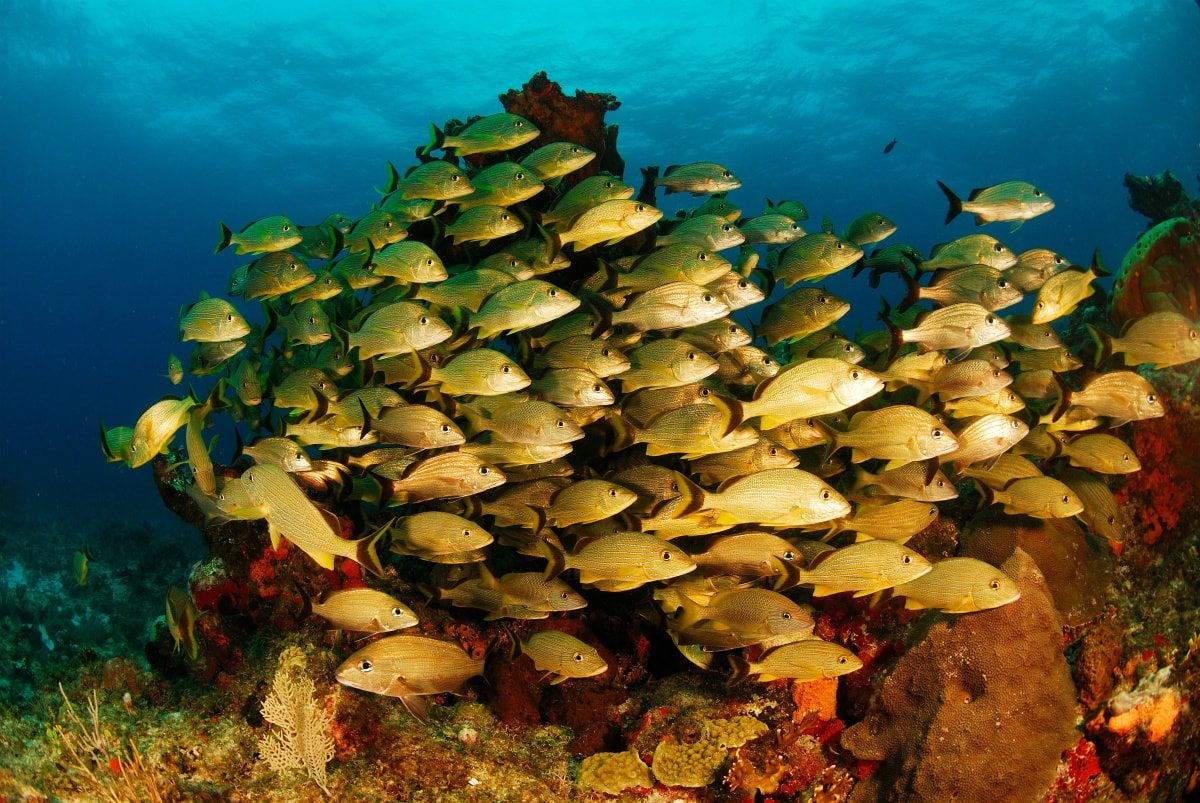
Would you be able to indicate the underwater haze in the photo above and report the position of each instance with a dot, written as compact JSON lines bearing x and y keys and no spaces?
{"x":131,"y":128}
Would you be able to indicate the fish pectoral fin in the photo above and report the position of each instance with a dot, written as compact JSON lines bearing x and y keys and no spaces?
{"x":911,"y":604}
{"x":823,"y":591}
{"x":418,"y":706}
{"x":1016,"y":225}
{"x":276,"y":536}
{"x":866,"y":592}
{"x":557,"y":679}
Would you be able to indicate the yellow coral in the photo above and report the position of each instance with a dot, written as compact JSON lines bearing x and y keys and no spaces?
{"x":613,"y":773}
{"x":695,"y":764}
{"x":734,"y":732}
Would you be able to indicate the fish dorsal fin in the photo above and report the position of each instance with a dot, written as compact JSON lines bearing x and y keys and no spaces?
{"x":486,"y":578}
{"x":331,"y":519}
{"x":975,"y":193}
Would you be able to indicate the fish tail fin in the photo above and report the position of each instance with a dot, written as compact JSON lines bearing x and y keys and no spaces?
{"x":861,"y":478}
{"x":912,"y":296}
{"x":305,"y":603}
{"x":624,"y":433}
{"x":1064,"y":398}
{"x":366,"y":553}
{"x":437,"y":139}
{"x":1104,"y":344}
{"x":556,"y":245}
{"x":272,"y":320}
{"x":367,"y":424}
{"x":689,"y":612}
{"x":988,"y":493}
{"x":739,"y":670}
{"x":692,"y":497}
{"x":956,"y":206}
{"x":226,"y":238}
{"x":393,"y":182}
{"x":831,"y":438}
{"x":556,"y":559}
{"x":1097,"y":268}
{"x":789,"y":575}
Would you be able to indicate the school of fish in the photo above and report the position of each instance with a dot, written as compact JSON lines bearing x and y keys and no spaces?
{"x":504,"y":361}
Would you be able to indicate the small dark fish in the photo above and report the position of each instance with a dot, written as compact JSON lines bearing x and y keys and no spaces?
{"x":888,"y":147}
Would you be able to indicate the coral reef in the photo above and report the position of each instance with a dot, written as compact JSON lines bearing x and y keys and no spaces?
{"x":1161,"y":272}
{"x":562,"y":118}
{"x":1159,"y":197}
{"x":934,"y":722}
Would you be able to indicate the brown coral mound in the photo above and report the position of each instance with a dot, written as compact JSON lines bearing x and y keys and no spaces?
{"x":561,"y":118}
{"x":980,"y":709}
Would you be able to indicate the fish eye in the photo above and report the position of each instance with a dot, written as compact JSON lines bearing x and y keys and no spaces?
{"x":595,"y":388}
{"x":1112,"y":519}
{"x":423,"y":320}
{"x":1015,"y":424}
{"x":454,"y":178}
{"x":766,"y":360}
{"x":773,"y":451}
{"x":612,"y":491}
{"x":1002,"y":284}
{"x":1059,"y":261}
{"x":996,"y":374}
{"x":706,"y":297}
{"x":727,"y":228}
{"x":705,"y":393}
{"x":997,"y":248}
{"x":838,"y":245}
{"x":742,"y":285}
{"x":936,"y":434}
{"x":789,"y":555}
{"x":640,"y":207}
{"x":504,"y":369}
{"x":785,"y":615}
{"x":703,"y":257}
{"x":287,"y":228}
{"x":727,"y":174}
{"x":994,"y":585}
{"x":824,"y":494}
{"x":841,"y":659}
{"x":445,"y":427}
{"x":822,"y":299}
{"x":608,"y":185}
{"x":691,"y":355}
{"x":504,"y":216}
{"x":313,"y":319}
{"x":229,"y":318}
{"x":518,"y":123}
{"x":560,"y":423}
{"x":989,"y":320}
{"x":1125,"y":457}
{"x":553,"y":292}
{"x":1037,"y":193}
{"x":933,"y":511}
{"x":564,"y":595}
{"x":520,"y":176}
{"x":484,"y":470}
{"x":604,"y":352}
{"x":1041,"y":305}
{"x":466,"y":532}
{"x":428,"y":262}
{"x":293,"y":266}
{"x":574,"y":149}
{"x":1065,"y":499}
{"x":578,"y":657}
{"x":365,"y":666}
{"x":666,"y":554}
{"x":733,"y":329}
{"x":907,"y":559}
{"x":1192,"y":334}
{"x":1151,"y":399}
{"x":854,"y":374}
{"x":387,"y":224}
{"x":397,"y":611}
{"x":941,"y":483}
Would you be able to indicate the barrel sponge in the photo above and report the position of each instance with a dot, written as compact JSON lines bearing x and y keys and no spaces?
{"x":980,"y":708}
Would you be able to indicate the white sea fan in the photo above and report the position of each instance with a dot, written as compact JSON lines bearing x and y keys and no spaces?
{"x":300,"y":738}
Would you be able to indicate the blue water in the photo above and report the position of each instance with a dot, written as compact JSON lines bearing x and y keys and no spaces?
{"x":130,"y":128}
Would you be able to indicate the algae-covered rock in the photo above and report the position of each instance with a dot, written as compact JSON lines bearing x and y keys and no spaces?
{"x":980,"y":708}
{"x":681,"y":764}
{"x":613,"y":773}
